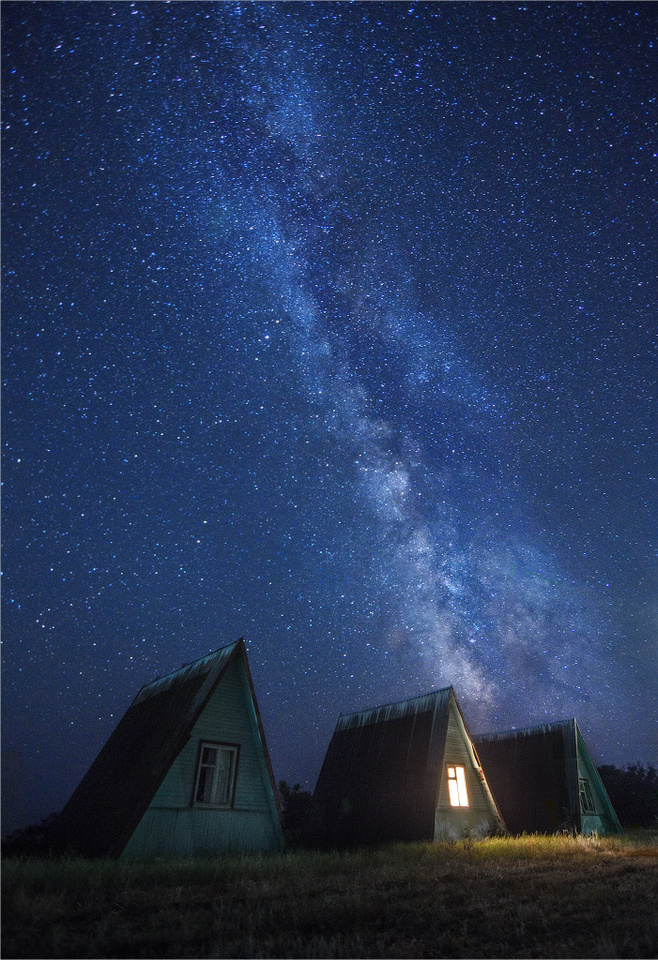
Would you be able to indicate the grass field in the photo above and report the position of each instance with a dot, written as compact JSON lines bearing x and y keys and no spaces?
{"x":502,"y":897}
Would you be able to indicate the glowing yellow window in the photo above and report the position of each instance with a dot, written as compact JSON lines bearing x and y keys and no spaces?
{"x":457,"y":787}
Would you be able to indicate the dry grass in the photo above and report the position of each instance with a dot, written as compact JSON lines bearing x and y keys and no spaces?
{"x":502,"y":897}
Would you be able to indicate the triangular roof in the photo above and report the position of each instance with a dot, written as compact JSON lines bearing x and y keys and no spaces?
{"x":381,"y":776}
{"x":111,"y":799}
{"x":534,"y":775}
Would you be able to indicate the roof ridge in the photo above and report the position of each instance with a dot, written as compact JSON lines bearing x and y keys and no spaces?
{"x":187,"y":669}
{"x":534,"y":728}
{"x":395,"y":703}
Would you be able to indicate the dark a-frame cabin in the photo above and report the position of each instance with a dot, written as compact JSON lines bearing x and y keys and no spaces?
{"x":403,"y":771}
{"x":544,"y":780}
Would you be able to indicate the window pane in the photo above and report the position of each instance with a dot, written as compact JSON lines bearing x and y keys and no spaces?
{"x":204,"y":788}
{"x":586,"y":798}
{"x":209,"y":755}
{"x":457,"y":787}
{"x":216,"y":775}
{"x":224,"y":776}
{"x":461,"y":784}
{"x":454,"y":793}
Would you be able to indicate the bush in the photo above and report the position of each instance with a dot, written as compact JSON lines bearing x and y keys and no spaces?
{"x":33,"y":841}
{"x":633,"y":793}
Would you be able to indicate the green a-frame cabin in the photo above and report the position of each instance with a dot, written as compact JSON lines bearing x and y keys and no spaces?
{"x":186,"y":772}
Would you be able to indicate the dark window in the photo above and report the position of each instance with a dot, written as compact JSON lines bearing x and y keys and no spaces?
{"x":215,"y":777}
{"x":586,"y":798}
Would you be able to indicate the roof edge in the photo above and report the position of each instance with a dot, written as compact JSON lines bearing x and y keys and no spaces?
{"x":525,"y":731}
{"x":389,"y":711}
{"x":266,"y":753}
{"x":187,"y":670}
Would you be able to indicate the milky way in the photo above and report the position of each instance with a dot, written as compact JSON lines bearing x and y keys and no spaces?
{"x":331,"y":326}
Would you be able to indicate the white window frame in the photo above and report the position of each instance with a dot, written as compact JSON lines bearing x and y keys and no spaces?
{"x":212,"y":768}
{"x":457,"y":792}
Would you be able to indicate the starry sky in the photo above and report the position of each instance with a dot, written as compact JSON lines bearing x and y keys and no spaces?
{"x":332,"y":326}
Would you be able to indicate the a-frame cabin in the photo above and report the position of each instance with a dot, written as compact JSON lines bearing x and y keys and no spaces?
{"x":186,"y":772}
{"x":544,"y":780}
{"x":404,"y":771}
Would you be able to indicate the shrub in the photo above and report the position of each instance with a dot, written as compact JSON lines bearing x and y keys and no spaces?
{"x":633,"y":793}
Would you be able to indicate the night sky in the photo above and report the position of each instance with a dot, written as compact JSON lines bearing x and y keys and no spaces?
{"x":332,"y":326}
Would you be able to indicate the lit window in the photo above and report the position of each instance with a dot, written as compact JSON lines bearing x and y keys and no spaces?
{"x":215,"y":778}
{"x":586,"y":798}
{"x":457,"y":787}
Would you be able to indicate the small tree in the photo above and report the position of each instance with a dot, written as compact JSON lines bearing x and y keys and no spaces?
{"x":299,"y":814}
{"x":295,"y":803}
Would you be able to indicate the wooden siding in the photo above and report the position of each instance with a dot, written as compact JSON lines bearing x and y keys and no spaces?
{"x":480,"y":817}
{"x":201,"y":832}
{"x":173,"y":825}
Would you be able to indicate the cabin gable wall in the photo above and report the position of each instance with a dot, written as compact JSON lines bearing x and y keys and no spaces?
{"x":480,"y":817}
{"x":605,"y":819}
{"x":173,"y":825}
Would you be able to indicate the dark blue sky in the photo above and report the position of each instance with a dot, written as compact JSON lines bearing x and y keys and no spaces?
{"x":332,"y":326}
